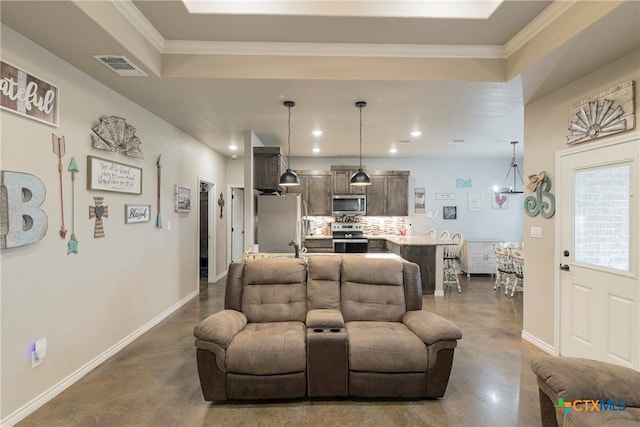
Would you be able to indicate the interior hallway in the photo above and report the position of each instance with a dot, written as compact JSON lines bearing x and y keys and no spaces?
{"x":154,"y":381}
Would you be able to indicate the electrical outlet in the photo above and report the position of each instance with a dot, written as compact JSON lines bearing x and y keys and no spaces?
{"x":536,"y":232}
{"x":39,"y":352}
{"x":168,"y":225}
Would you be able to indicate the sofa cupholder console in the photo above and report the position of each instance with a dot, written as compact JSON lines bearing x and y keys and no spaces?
{"x":329,"y":327}
{"x":327,"y":354}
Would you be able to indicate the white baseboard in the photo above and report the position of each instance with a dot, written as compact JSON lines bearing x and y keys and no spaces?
{"x":538,"y":343}
{"x":220,"y":276}
{"x":49,"y":394}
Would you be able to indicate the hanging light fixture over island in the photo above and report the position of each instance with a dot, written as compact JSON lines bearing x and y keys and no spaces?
{"x":360,"y":177}
{"x":289,"y":178}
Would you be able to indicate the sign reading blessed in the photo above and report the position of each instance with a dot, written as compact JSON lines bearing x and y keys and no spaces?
{"x":27,"y":95}
{"x":136,"y":213}
{"x":107,"y":175}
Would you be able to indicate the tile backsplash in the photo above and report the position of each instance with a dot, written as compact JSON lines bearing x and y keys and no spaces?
{"x":373,"y":225}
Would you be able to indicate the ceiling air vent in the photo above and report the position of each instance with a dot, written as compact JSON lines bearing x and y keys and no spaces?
{"x":121,"y":65}
{"x":404,"y":141}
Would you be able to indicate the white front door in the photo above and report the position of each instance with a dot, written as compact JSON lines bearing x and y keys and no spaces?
{"x":598,"y":232}
{"x":237,"y":223}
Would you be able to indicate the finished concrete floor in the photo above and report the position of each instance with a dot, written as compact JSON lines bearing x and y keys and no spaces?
{"x":154,"y":380}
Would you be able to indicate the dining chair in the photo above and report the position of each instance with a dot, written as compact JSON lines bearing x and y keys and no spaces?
{"x":431,"y":234}
{"x":517,"y":279}
{"x":444,"y":236}
{"x":503,"y":267}
{"x":451,"y":260}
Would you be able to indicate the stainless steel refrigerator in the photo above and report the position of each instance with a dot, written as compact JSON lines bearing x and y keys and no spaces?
{"x":279,"y":221}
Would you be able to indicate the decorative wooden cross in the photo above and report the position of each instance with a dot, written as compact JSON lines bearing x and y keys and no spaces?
{"x":98,"y":211}
{"x":221,"y":204}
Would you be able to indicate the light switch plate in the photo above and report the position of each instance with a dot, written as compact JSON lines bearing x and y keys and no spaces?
{"x":536,"y":232}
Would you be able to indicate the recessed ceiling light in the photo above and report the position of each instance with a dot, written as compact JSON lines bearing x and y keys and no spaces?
{"x":316,"y":150}
{"x":233,"y":147}
{"x":393,"y":150}
{"x":317,"y":132}
{"x":416,"y":133}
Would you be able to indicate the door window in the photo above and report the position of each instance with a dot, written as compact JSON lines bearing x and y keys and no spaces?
{"x":602,"y":216}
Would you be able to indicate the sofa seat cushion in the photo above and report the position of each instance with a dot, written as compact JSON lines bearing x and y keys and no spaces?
{"x":385,"y":347}
{"x":268,"y":349}
{"x":588,"y":418}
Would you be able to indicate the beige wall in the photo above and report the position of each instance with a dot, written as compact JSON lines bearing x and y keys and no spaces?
{"x":89,"y":302}
{"x":545,"y":129}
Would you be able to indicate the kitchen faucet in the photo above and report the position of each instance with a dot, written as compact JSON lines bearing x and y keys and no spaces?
{"x":296,"y":247}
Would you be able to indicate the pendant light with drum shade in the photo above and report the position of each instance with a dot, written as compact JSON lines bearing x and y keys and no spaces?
{"x":360,"y":177}
{"x":289,"y":178}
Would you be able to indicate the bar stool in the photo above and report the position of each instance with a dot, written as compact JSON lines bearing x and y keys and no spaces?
{"x":444,"y":236}
{"x":431,"y":234}
{"x":451,"y":257}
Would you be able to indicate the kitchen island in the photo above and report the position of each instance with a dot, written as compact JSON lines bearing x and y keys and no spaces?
{"x":427,"y":253}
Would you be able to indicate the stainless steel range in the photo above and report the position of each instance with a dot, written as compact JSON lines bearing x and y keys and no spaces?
{"x":348,"y":237}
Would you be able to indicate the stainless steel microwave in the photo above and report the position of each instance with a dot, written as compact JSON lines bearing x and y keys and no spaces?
{"x":349,"y":204}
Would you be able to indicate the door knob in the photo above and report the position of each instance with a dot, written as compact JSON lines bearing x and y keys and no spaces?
{"x":564,"y":267}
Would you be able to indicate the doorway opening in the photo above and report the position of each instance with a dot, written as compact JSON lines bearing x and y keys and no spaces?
{"x":237,"y":224}
{"x":206,"y":224}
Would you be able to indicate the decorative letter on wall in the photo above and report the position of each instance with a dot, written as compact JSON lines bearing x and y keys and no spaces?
{"x":22,"y":222}
{"x":533,"y":205}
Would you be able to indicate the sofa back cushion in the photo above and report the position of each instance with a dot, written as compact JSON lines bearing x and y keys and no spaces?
{"x":274,"y":290}
{"x":372,"y":289}
{"x":323,"y":282}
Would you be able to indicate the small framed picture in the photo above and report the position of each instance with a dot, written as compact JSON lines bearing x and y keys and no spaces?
{"x":500,"y":201}
{"x":182,"y":199}
{"x":134,"y":214}
{"x":449,"y":212}
{"x":475,"y":198}
{"x":419,"y":199}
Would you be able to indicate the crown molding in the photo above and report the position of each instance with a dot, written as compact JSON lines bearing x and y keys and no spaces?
{"x":537,"y":24}
{"x":142,"y":24}
{"x":182,"y":47}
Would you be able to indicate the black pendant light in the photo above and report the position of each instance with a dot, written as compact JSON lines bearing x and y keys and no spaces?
{"x":516,"y":174}
{"x":360,"y":177}
{"x":289,"y":178}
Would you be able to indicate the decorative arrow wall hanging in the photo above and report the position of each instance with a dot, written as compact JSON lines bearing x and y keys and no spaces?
{"x":59,"y":150}
{"x":98,"y":211}
{"x":73,"y":243}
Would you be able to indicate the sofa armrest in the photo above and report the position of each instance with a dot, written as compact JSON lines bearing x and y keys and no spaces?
{"x":575,"y":378}
{"x":324,"y":318}
{"x":430,"y":327}
{"x":221,"y":327}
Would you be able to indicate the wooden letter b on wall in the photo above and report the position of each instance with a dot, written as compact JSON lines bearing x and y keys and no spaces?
{"x":22,"y":222}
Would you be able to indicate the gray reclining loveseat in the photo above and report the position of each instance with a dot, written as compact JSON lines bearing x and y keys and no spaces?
{"x":329,"y":327}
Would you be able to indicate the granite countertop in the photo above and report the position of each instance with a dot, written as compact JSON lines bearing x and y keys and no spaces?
{"x":399,"y":240}
{"x":412,"y":240}
{"x":383,"y":255}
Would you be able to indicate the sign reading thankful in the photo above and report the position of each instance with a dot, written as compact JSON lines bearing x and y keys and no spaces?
{"x":28,"y":95}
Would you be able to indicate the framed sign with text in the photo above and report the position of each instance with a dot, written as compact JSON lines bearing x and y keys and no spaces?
{"x":107,"y":175}
{"x":25,"y":94}
{"x":137,"y":213}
